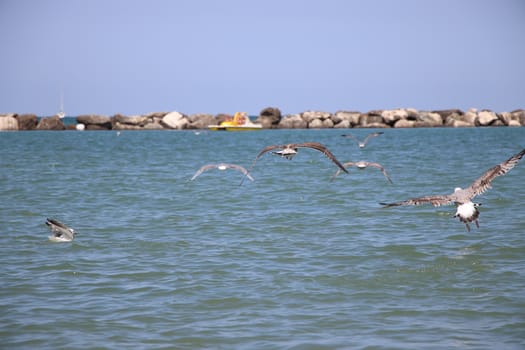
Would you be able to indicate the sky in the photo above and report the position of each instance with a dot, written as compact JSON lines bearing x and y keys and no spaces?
{"x":207,"y":56}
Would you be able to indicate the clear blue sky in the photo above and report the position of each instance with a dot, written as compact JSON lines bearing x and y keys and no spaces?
{"x":208,"y":56}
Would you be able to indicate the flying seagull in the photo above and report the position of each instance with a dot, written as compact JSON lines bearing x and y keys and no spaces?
{"x":222,"y":166}
{"x":363,"y":143}
{"x":466,"y":210}
{"x":290,"y":150}
{"x":60,"y":232}
{"x":362,"y":165}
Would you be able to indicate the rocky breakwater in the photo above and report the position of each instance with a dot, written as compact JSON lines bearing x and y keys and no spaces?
{"x":401,"y":118}
{"x":150,"y":121}
{"x":271,"y":118}
{"x":13,"y":121}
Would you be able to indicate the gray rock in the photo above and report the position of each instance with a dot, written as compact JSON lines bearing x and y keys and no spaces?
{"x":404,"y":123}
{"x":486,"y":118}
{"x":445,"y":113}
{"x":8,"y":122}
{"x":368,"y":120}
{"x":269,"y":117}
{"x":459,"y":124}
{"x":429,"y":119}
{"x":51,"y":123}
{"x":466,"y":119}
{"x":507,"y":117}
{"x":200,"y":121}
{"x":391,"y":116}
{"x":27,"y":121}
{"x":320,"y":124}
{"x":328,"y":123}
{"x":293,"y":121}
{"x":343,"y":124}
{"x":309,"y":116}
{"x":135,"y":120}
{"x":350,"y":116}
{"x":95,"y":122}
{"x":175,"y":120}
{"x":412,"y":113}
{"x":520,"y":114}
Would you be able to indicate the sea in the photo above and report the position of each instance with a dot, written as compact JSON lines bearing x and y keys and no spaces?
{"x":295,"y":259}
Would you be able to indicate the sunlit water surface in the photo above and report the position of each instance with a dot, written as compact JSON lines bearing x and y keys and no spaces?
{"x":289,"y":261}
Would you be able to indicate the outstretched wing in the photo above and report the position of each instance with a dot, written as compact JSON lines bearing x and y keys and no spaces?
{"x":241,"y":169}
{"x":374,"y":134}
{"x":483,"y":182}
{"x":321,"y":148}
{"x":263,"y":151}
{"x":222,"y":166}
{"x":434,"y":200}
{"x":380,"y":167}
{"x":203,"y":169}
{"x":336,"y":174}
{"x":350,"y":136}
{"x":268,"y":149}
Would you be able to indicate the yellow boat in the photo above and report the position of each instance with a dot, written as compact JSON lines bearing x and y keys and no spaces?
{"x":240,"y":122}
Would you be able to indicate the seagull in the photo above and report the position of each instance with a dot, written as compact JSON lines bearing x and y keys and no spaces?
{"x":290,"y":150}
{"x":362,"y":165}
{"x":61,"y":233}
{"x":466,"y":210}
{"x":222,"y":166}
{"x":362,"y":144}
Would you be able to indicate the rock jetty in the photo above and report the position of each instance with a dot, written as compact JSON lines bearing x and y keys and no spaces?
{"x":271,"y":118}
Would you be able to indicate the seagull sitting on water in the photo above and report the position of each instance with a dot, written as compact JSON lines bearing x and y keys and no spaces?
{"x":363,"y":143}
{"x":222,"y":166}
{"x":466,"y":210}
{"x":363,"y":165}
{"x":60,"y":232}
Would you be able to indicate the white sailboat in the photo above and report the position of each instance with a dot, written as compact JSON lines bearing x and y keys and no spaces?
{"x":61,"y":114}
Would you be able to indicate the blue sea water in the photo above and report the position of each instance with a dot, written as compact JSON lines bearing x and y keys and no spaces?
{"x":289,"y":261}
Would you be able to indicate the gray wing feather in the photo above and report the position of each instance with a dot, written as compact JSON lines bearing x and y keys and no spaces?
{"x":227,"y":165}
{"x":434,"y":200}
{"x":380,"y":167}
{"x":323,"y":149}
{"x":371,"y":135}
{"x":483,"y":183}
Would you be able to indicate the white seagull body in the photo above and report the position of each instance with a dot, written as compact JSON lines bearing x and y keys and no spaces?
{"x":363,"y":165}
{"x":60,"y":232}
{"x":363,"y":143}
{"x":466,"y":210}
{"x":222,"y":166}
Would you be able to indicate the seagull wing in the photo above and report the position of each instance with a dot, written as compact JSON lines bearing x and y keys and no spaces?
{"x":58,"y":229}
{"x":483,"y":183}
{"x":434,"y":200}
{"x":374,"y":134}
{"x":380,"y":167}
{"x":241,"y":169}
{"x":321,"y":148}
{"x":268,"y":149}
{"x":350,"y":136}
{"x":203,"y":169}
{"x":53,"y":222}
{"x":346,"y":165}
{"x":263,"y":151}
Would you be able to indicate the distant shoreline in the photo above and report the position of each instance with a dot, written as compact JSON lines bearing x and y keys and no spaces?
{"x":271,"y":118}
